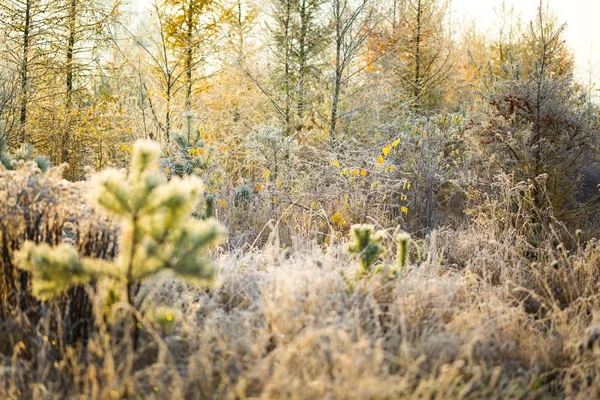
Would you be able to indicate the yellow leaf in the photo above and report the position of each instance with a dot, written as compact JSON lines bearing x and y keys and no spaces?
{"x":386,"y":150}
{"x":167,"y":170}
{"x":380,"y":160}
{"x":363,"y":173}
{"x":395,"y":143}
{"x":266,"y":174}
{"x":404,"y":209}
{"x":259,"y":187}
{"x":278,"y":184}
{"x":338,"y":219}
{"x":223,"y":203}
{"x":335,"y":163}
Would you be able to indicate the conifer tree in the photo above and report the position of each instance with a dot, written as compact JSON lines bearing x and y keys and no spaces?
{"x":537,"y":121}
{"x":157,"y":233}
{"x":25,"y":30}
{"x":299,"y":37}
{"x":423,"y":49}
{"x":191,"y":28}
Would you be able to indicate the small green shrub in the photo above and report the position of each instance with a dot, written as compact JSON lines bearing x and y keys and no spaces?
{"x":367,"y":245}
{"x":243,"y":196}
{"x":403,"y":240}
{"x":42,"y":162}
{"x":23,"y":153}
{"x":209,"y":206}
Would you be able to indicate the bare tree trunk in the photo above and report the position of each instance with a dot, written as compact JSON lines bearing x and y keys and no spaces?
{"x":189,"y":58}
{"x":287,"y":67}
{"x":69,"y":80}
{"x":337,"y":84}
{"x":168,"y":110}
{"x":395,"y":16}
{"x":537,"y":129}
{"x":417,"y":82}
{"x":302,"y":59}
{"x":25,"y":71}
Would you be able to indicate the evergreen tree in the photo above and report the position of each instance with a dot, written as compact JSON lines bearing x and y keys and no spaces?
{"x":299,"y":37}
{"x":191,"y":27}
{"x":157,"y":233}
{"x":537,"y":121}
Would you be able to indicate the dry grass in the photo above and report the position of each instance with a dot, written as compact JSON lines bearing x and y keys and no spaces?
{"x":480,"y":315}
{"x":285,"y":325}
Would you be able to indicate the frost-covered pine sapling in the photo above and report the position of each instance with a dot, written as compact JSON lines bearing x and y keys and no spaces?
{"x":403,"y":240}
{"x":157,"y":233}
{"x":23,"y":153}
{"x":209,"y":206}
{"x":366,"y":244}
{"x":243,"y":196}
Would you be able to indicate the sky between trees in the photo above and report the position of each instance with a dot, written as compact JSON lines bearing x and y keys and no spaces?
{"x":581,"y":16}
